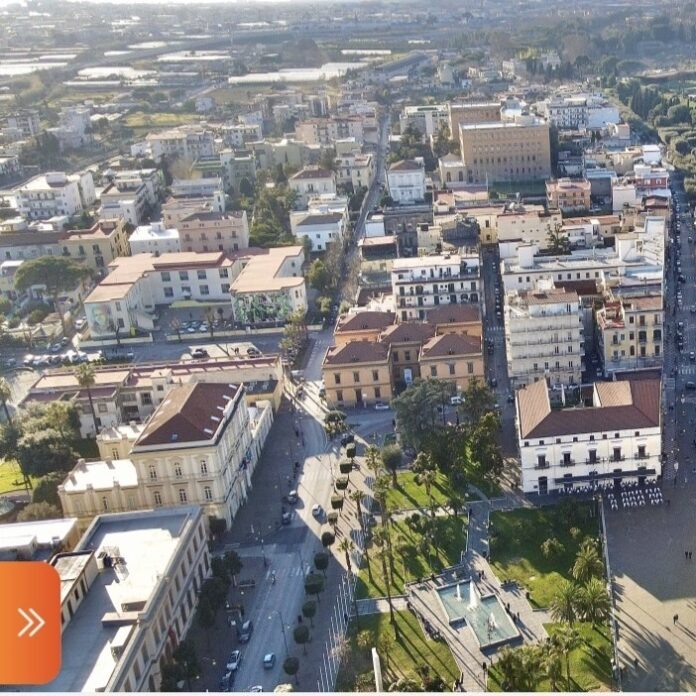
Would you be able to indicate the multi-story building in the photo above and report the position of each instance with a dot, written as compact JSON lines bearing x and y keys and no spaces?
{"x":406,"y":182}
{"x":325,"y":131}
{"x":155,"y":239}
{"x":520,"y":224}
{"x":125,"y":198}
{"x":128,"y":395}
{"x":428,"y":119}
{"x":630,"y":333}
{"x":54,"y":194}
{"x":544,"y":336}
{"x":197,"y":447}
{"x":616,"y":439}
{"x":452,"y":358}
{"x":568,"y":195}
{"x":320,"y":228}
{"x":178,"y":207}
{"x":310,"y":182}
{"x":356,"y":169}
{"x":129,"y":591}
{"x":228,"y":232}
{"x":583,"y":111}
{"x":513,"y":150}
{"x":98,"y":246}
{"x":424,"y":283}
{"x":151,"y":178}
{"x":469,"y":113}
{"x":186,"y":142}
{"x":26,"y":122}
{"x":239,"y":134}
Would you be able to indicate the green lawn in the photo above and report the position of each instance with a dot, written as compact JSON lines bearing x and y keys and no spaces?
{"x":516,"y":538}
{"x":403,"y":654}
{"x":139,"y":119}
{"x":10,"y":476}
{"x":410,"y":562}
{"x":590,"y":664}
{"x":409,"y":495}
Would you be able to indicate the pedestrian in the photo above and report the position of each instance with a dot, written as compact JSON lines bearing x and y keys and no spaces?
{"x":667,"y":502}
{"x":675,"y":618}
{"x":345,"y":617}
{"x":299,"y":618}
{"x":518,"y":617}
{"x":635,"y":662}
{"x":686,"y":555}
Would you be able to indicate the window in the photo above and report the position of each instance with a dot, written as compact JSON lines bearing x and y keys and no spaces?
{"x":186,"y":289}
{"x":152,"y":472}
{"x":617,"y":454}
{"x":541,"y":461}
{"x":433,"y":371}
{"x":177,"y":470}
{"x":208,"y":493}
{"x":225,"y":287}
{"x":567,"y":461}
{"x":339,"y":395}
{"x":102,"y":408}
{"x":204,"y":467}
{"x":157,"y":498}
{"x":204,"y":290}
{"x":641,"y":452}
{"x":201,"y":275}
{"x":375,"y":375}
{"x":470,"y":368}
{"x":183,"y":275}
{"x":337,"y":378}
{"x":118,"y":306}
{"x":378,"y":393}
{"x":224,"y":273}
{"x":407,"y":355}
{"x":592,"y":455}
{"x":356,"y":377}
{"x":182,"y":495}
{"x":395,"y":356}
{"x":105,"y":503}
{"x":451,"y":368}
{"x":168,"y":292}
{"x":166,"y":276}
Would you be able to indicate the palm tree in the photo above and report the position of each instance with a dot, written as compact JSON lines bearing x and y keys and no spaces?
{"x":357,"y":496}
{"x":5,"y":394}
{"x":347,"y":547}
{"x":373,"y":460}
{"x":553,"y":663}
{"x":427,"y":479}
{"x":422,"y":462}
{"x":588,"y":564}
{"x":85,"y":378}
{"x":381,"y":489}
{"x":594,"y":602}
{"x":565,"y":603}
{"x":519,"y":668}
{"x":566,"y":638}
{"x":402,"y":548}
{"x":381,"y":540}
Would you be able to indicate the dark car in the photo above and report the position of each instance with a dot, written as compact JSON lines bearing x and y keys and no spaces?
{"x":690,"y":386}
{"x":347,"y":439}
{"x":286,"y":518}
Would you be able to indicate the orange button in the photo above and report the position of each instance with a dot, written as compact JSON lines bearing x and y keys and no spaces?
{"x":29,"y":623}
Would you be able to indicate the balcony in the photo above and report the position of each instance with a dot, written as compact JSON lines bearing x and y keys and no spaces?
{"x":545,"y":465}
{"x":567,"y":462}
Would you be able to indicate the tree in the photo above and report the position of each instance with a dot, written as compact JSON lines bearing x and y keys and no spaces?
{"x":552,"y":547}
{"x":427,"y":479}
{"x":321,"y":560}
{"x":185,"y":656}
{"x":477,"y":400}
{"x":335,"y":423}
{"x":314,"y":585}
{"x":291,"y":666}
{"x":558,"y":241}
{"x":567,"y":639}
{"x":85,"y":378}
{"x":364,"y":641}
{"x":357,"y":496}
{"x":46,"y":489}
{"x":56,"y":273}
{"x":309,"y":610}
{"x":39,"y":511}
{"x":565,"y":603}
{"x":5,"y":395}
{"x":40,"y":453}
{"x":233,"y":564}
{"x":392,"y":457}
{"x":552,"y":663}
{"x":519,"y":668}
{"x":385,"y":644}
{"x":301,"y":635}
{"x":381,"y":540}
{"x":246,"y":188}
{"x":319,"y":277}
{"x":346,"y":546}
{"x":175,"y":325}
{"x":373,"y":460}
{"x":594,"y":602}
{"x":587,"y":564}
{"x":417,"y":409}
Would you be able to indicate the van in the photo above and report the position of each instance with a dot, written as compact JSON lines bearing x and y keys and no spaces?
{"x":245,"y":631}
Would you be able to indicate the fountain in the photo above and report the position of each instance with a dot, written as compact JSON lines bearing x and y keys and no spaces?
{"x":463,"y":603}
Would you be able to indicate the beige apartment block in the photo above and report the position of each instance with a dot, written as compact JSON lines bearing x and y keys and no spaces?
{"x":568,"y":194}
{"x":507,"y":151}
{"x":452,"y":358}
{"x":98,"y":246}
{"x":466,"y":114}
{"x":630,"y":333}
{"x":544,"y":336}
{"x":212,"y":231}
{"x":362,"y":326}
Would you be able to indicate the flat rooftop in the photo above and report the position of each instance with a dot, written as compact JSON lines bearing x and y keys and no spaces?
{"x":148,"y":543}
{"x":101,"y":475}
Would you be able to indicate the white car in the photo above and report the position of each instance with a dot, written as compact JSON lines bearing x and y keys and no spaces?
{"x":317,"y":510}
{"x":456,"y":400}
{"x":234,"y":660}
{"x":381,"y":406}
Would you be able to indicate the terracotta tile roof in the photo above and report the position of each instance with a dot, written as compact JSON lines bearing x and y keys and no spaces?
{"x":408,"y":332}
{"x":405,"y":166}
{"x":189,"y":413}
{"x":365,"y":321}
{"x":451,"y":344}
{"x":312,"y":173}
{"x":356,"y":352}
{"x":621,"y":405}
{"x":454,"y":314}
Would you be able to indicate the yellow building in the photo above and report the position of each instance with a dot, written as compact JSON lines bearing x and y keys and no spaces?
{"x":507,"y":151}
{"x":362,"y":326}
{"x":98,"y":246}
{"x":453,"y":358}
{"x":464,"y":114}
{"x":630,"y":333}
{"x":357,"y":374}
{"x":568,"y":194}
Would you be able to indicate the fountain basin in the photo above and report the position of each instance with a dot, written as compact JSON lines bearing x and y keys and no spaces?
{"x":484,"y":614}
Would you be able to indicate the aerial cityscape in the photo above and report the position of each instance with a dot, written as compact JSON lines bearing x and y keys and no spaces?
{"x":347,"y":346}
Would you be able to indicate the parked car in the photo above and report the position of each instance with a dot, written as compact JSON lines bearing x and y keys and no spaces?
{"x":317,"y":510}
{"x":456,"y":400}
{"x":381,"y":406}
{"x":253,"y":352}
{"x":198,"y":353}
{"x":28,"y":360}
{"x":286,"y":518}
{"x":227,"y":681}
{"x":245,"y":631}
{"x":292,"y":497}
{"x":269,"y":660}
{"x":234,"y":660}
{"x":347,"y":439}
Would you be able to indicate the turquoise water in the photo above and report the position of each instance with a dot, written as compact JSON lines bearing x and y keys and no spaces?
{"x":487,"y":618}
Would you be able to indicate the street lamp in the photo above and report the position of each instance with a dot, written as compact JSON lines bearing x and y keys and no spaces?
{"x":282,"y":628}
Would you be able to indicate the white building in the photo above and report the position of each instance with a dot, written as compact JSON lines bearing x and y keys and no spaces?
{"x":544,"y":336}
{"x":154,"y":239}
{"x":125,"y":199}
{"x":356,"y":169}
{"x":616,"y":440}
{"x":427,"y":118}
{"x":186,"y":142}
{"x":423,"y":283}
{"x":151,"y":178}
{"x":320,"y":228}
{"x":26,"y":122}
{"x":54,"y":194}
{"x":406,"y":182}
{"x":591,"y":111}
{"x":197,"y":447}
{"x":312,"y":181}
{"x":129,"y":592}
